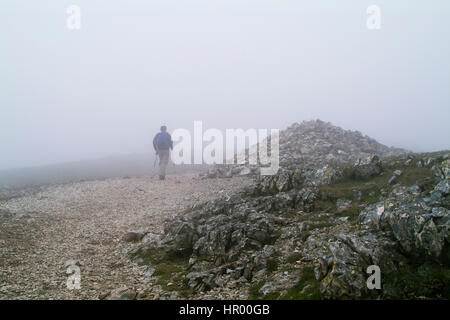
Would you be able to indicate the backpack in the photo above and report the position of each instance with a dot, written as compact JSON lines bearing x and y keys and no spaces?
{"x":163,"y":141}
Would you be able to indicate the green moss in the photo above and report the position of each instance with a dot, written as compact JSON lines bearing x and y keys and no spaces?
{"x":173,"y":275}
{"x":321,"y":225}
{"x":314,"y":217}
{"x":293,"y":258}
{"x":411,"y":176}
{"x":371,"y":190}
{"x":304,"y":236}
{"x":272,"y":264}
{"x":351,"y":213}
{"x":343,"y":189}
{"x":169,"y":269}
{"x":254,"y":290}
{"x":307,"y":288}
{"x":154,"y":256}
{"x":409,"y":282}
{"x":271,"y":296}
{"x":273,"y":238}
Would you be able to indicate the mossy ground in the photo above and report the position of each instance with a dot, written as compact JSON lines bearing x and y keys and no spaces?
{"x":408,"y":281}
{"x":272,"y":264}
{"x":307,"y":288}
{"x":294,"y":257}
{"x":170,"y":269}
{"x":370,"y":190}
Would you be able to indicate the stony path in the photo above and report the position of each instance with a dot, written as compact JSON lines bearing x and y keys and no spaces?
{"x":86,"y":221}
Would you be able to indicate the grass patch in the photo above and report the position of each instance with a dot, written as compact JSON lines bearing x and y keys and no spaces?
{"x":343,"y":190}
{"x":273,"y":238}
{"x":173,"y":274}
{"x":154,"y":256}
{"x":272,"y":264}
{"x":307,"y":288}
{"x":254,"y":290}
{"x":170,"y":268}
{"x":371,"y":190}
{"x":293,"y":258}
{"x":316,"y":221}
{"x":433,"y":284}
{"x":321,"y":225}
{"x":304,"y":236}
{"x":412,"y":176}
{"x":351,"y":213}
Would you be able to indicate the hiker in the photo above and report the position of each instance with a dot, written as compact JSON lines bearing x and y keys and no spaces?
{"x":162,"y":143}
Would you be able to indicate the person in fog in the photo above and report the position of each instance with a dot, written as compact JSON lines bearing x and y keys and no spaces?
{"x":162,"y":143}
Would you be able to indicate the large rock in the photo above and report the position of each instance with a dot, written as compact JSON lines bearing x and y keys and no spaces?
{"x":239,"y":239}
{"x":219,"y":231}
{"x":343,"y":268}
{"x":365,"y":169}
{"x":421,"y":230}
{"x":134,"y":236}
{"x":286,"y":179}
{"x":443,"y":187}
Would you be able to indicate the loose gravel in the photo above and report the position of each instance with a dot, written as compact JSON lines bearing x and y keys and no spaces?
{"x":86,"y":221}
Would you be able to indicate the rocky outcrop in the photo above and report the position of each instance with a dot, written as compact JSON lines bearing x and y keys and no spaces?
{"x":365,"y":169}
{"x":420,"y":229}
{"x":336,"y":220}
{"x":405,"y":233}
{"x":342,"y":269}
{"x":219,"y":234}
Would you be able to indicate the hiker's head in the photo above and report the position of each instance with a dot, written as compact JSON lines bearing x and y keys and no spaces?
{"x":163,"y":128}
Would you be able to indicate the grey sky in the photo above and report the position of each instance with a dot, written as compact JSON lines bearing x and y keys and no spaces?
{"x":105,"y":89}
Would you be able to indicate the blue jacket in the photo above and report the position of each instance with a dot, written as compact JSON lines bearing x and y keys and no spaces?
{"x":162,"y":141}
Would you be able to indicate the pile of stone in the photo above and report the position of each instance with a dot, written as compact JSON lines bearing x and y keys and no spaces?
{"x":315,"y":144}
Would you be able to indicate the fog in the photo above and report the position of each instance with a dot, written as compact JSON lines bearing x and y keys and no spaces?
{"x":105,"y":89}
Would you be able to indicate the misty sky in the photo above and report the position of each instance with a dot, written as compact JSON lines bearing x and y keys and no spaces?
{"x":134,"y":65}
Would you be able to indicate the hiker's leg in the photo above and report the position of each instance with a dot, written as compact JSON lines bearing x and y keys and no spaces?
{"x":162,"y":171}
{"x":162,"y":167}
{"x":163,"y":161}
